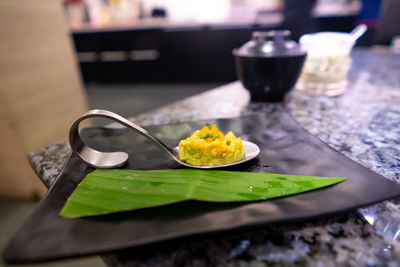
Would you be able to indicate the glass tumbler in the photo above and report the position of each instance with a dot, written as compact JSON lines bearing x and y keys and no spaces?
{"x":327,"y":64}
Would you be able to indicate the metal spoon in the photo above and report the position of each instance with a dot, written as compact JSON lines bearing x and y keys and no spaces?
{"x":100,"y":159}
{"x":358,"y":31}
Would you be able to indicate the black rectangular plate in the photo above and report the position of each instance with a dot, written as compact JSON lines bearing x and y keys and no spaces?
{"x":285,"y":148}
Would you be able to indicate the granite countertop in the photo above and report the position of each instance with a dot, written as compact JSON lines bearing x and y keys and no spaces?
{"x":363,"y":124}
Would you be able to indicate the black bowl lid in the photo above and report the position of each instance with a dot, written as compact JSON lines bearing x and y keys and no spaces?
{"x":269,"y":44}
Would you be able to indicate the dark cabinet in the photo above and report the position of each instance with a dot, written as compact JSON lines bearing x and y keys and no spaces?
{"x":202,"y":54}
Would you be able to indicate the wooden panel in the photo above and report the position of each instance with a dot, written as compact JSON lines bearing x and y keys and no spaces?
{"x":17,"y":178}
{"x":40,"y":88}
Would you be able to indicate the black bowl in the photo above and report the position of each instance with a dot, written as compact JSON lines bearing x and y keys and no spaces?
{"x":268,"y":78}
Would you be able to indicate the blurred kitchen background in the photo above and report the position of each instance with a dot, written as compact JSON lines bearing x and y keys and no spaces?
{"x":190,"y":40}
{"x":60,"y":58}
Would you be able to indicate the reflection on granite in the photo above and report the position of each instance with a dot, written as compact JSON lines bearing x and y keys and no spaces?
{"x":363,"y":124}
{"x":341,"y":241}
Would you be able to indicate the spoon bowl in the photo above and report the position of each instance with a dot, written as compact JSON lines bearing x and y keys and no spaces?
{"x":251,"y":151}
{"x":100,"y":159}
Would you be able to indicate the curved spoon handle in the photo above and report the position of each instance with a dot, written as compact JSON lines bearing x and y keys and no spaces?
{"x":99,"y":159}
{"x":358,"y":31}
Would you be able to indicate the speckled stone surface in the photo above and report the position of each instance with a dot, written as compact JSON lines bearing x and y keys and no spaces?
{"x":363,"y":124}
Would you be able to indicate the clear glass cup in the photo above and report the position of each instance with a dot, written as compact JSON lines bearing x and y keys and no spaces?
{"x":327,"y":64}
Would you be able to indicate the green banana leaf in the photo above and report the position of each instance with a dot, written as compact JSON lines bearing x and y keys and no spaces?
{"x":112,"y":190}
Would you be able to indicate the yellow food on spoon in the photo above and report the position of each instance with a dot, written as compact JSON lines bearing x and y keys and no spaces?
{"x":210,"y":147}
